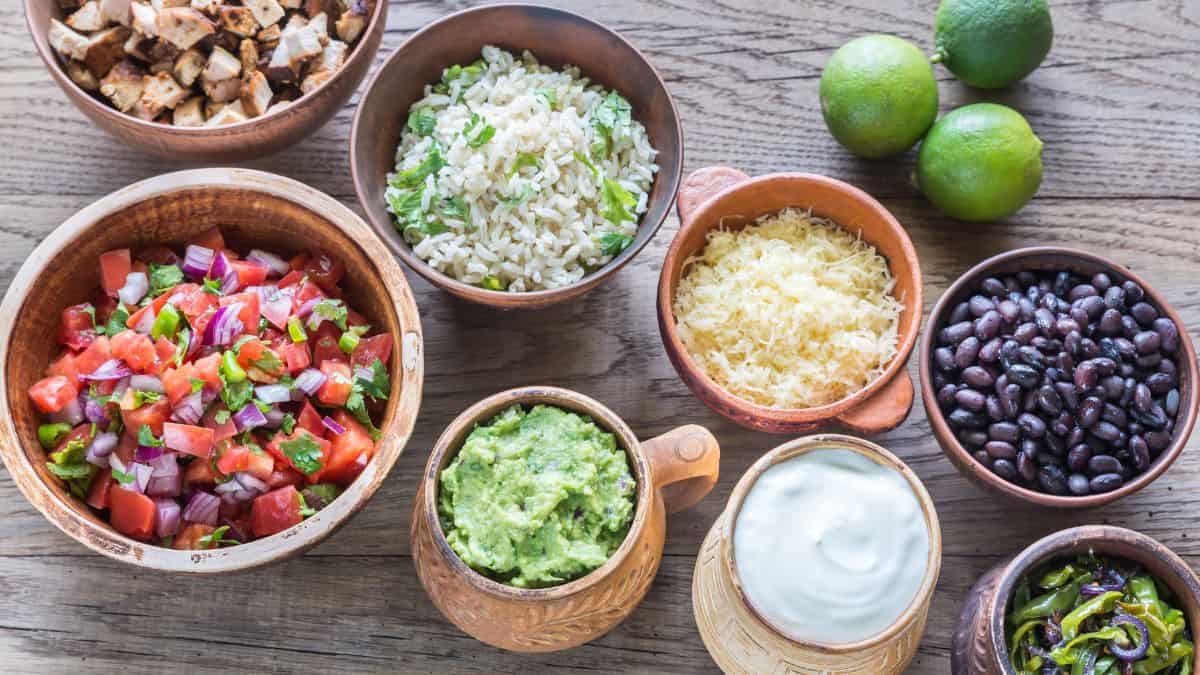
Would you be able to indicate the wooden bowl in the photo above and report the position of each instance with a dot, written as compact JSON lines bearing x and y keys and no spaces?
{"x":673,"y":472}
{"x":740,"y":640}
{"x":251,"y":139}
{"x":979,"y":646}
{"x":1084,"y":263}
{"x":557,"y":38}
{"x":253,"y":209}
{"x":723,"y":197}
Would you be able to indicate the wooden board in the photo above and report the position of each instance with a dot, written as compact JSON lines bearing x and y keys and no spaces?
{"x":1117,"y":103}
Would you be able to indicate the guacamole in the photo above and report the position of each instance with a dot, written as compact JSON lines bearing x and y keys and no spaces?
{"x":537,"y":498}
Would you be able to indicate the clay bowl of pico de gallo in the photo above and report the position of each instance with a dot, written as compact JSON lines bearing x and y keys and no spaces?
{"x":207,"y":371}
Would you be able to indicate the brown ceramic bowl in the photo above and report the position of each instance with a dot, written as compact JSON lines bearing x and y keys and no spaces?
{"x":673,"y":472}
{"x":722,"y":197}
{"x":979,"y":643}
{"x":251,"y":139}
{"x":253,"y":209}
{"x":557,"y":38}
{"x":1086,"y":264}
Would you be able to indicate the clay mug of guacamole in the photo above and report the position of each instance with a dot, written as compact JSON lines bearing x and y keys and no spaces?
{"x":663,"y":475}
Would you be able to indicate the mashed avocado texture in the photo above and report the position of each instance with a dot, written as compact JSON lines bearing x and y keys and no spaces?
{"x":537,"y":498}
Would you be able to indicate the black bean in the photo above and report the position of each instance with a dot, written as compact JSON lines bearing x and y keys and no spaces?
{"x":1031,"y":425}
{"x":1110,"y":322}
{"x":1101,"y":282}
{"x":1025,"y":333}
{"x":1086,"y":376}
{"x":1029,"y":401}
{"x":1053,"y":375}
{"x":1104,"y":365}
{"x":1077,"y":458}
{"x":1055,"y":444}
{"x":1171,"y":403}
{"x":1065,"y":325}
{"x":1009,"y":310}
{"x":993,"y":286}
{"x":1049,"y":400}
{"x":1166,"y":365}
{"x":980,"y":305}
{"x":1027,"y":278}
{"x":1105,"y":431}
{"x":995,"y":410}
{"x":1104,"y":464}
{"x":1088,"y":349}
{"x":1106,"y":482}
{"x":960,"y":313}
{"x":973,"y":437}
{"x":1062,"y":283}
{"x":1142,"y":398}
{"x":1129,"y":326}
{"x":1066,"y":391}
{"x":957,"y":332}
{"x":1004,"y":431}
{"x":988,"y":326}
{"x":1044,"y":319}
{"x":943,"y":358}
{"x":1075,"y":436}
{"x":1005,"y":469}
{"x":1114,"y":298}
{"x":1168,"y":334}
{"x":1010,"y":401}
{"x":1081,"y":291}
{"x":966,"y":419}
{"x":1144,"y":313}
{"x":1024,"y":376}
{"x":1092,"y":306}
{"x":1133,"y":292}
{"x":1078,"y":484}
{"x":1108,"y":348}
{"x":967,"y":351}
{"x":982,"y":457}
{"x":1140,"y":452}
{"x":1159,"y":383}
{"x":1001,"y":450}
{"x":1089,"y":411}
{"x":971,"y":399}
{"x":1027,"y":466}
{"x":1031,"y":357}
{"x":1147,"y":342}
{"x":978,"y":377}
{"x":1027,"y":308}
{"x":1113,"y":386}
{"x":990,"y":351}
{"x":1149,"y":361}
{"x":1157,"y":440}
{"x":1155,"y":418}
{"x":1125,"y":348}
{"x":1115,"y":416}
{"x":1072,"y":342}
{"x":1052,"y":480}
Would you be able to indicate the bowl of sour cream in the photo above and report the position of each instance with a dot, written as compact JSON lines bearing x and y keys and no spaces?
{"x":825,"y":559}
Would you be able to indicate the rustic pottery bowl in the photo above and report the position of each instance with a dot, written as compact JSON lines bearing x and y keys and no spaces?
{"x":673,"y":472}
{"x":253,"y":209}
{"x":979,"y":643}
{"x":1084,"y":263}
{"x":251,"y":139}
{"x":557,"y":38}
{"x":721,"y":197}
{"x":740,"y":640}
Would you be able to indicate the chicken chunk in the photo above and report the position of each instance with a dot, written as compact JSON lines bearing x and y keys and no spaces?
{"x":256,"y":94}
{"x":87,"y":18}
{"x":221,"y":66}
{"x":116,"y":11}
{"x":145,"y":19}
{"x":351,"y":24}
{"x":266,"y":12}
{"x":161,"y":92}
{"x":291,"y":4}
{"x":228,"y":115}
{"x":67,"y":42}
{"x":188,"y":66}
{"x":190,"y":113}
{"x":248,"y":54}
{"x":183,"y":26}
{"x":105,"y":49}
{"x":314,"y":7}
{"x":81,"y":76}
{"x":222,"y":91}
{"x":269,"y":37}
{"x":209,"y":7}
{"x":320,"y":25}
{"x":123,"y":85}
{"x":239,"y":20}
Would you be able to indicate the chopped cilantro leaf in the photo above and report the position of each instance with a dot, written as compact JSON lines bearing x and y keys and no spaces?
{"x":236,"y":394}
{"x":523,"y":160}
{"x":163,"y":278}
{"x":212,"y":286}
{"x":221,"y":416}
{"x":116,"y":321}
{"x":610,"y":121}
{"x":520,"y":197}
{"x":548,"y":95}
{"x":410,"y":178}
{"x":455,"y":207}
{"x":122,"y":477}
{"x":612,"y":243}
{"x":304,"y":452}
{"x":197,"y":384}
{"x":141,"y":398}
{"x":216,"y":539}
{"x":288,"y":423}
{"x":617,"y":202}
{"x":146,"y":438}
{"x":330,"y":309}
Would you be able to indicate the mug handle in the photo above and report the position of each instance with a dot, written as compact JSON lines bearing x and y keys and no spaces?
{"x":885,"y":410}
{"x":702,"y":185}
{"x":684,"y":465}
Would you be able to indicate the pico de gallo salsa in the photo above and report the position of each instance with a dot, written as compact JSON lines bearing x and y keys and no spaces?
{"x":209,"y":400}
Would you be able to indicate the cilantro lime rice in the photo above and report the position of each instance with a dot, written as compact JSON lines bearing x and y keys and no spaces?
{"x":513,"y":176}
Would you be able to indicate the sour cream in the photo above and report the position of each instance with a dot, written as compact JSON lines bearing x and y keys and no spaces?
{"x":830,"y":546}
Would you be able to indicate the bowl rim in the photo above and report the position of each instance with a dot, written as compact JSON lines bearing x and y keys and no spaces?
{"x":967,"y":465}
{"x":427,"y":508}
{"x":795,"y":417}
{"x":53,"y":64}
{"x":876,"y":453}
{"x":1062,"y":543}
{"x":408,"y":369}
{"x":506,"y":299}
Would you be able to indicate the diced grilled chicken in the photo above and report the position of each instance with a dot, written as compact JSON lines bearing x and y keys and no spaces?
{"x":161,"y":92}
{"x":228,"y":115}
{"x":239,"y":20}
{"x":291,"y":4}
{"x":188,"y":66}
{"x":105,"y":49}
{"x":269,"y":37}
{"x":68,"y":5}
{"x":145,"y":18}
{"x":209,"y":7}
{"x":278,"y":105}
{"x":138,"y":45}
{"x":222,"y":91}
{"x":267,"y":12}
{"x":116,"y":11}
{"x":295,"y":22}
{"x":160,"y":5}
{"x":301,"y":45}
{"x":81,"y":76}
{"x":350,"y":25}
{"x":314,"y":7}
{"x":87,"y":18}
{"x":256,"y":94}
{"x":190,"y":113}
{"x":123,"y":85}
{"x":314,"y":80}
{"x":183,"y":26}
{"x":248,"y":55}
{"x":320,"y":25}
{"x":67,"y":42}
{"x":331,"y":59}
{"x":221,"y":66}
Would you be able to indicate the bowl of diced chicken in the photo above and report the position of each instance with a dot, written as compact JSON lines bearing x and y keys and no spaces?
{"x":208,"y":80}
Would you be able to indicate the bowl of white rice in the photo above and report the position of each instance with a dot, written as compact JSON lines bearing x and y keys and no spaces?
{"x":516,"y":155}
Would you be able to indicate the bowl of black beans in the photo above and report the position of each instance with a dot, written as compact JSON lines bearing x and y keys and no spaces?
{"x":1058,"y":377}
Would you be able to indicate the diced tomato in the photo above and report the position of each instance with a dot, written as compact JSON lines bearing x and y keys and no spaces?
{"x":275,"y":447}
{"x":284,"y":475}
{"x":78,"y":330}
{"x":201,"y":322}
{"x":104,"y":306}
{"x":249,"y":274}
{"x":249,"y":313}
{"x":222,"y":431}
{"x":374,"y":347}
{"x":311,"y":419}
{"x":188,"y":439}
{"x":152,"y":415}
{"x":210,"y":238}
{"x":177,"y":382}
{"x":291,"y":278}
{"x":65,"y":366}
{"x":194,"y":301}
{"x":325,"y":348}
{"x":209,"y":370}
{"x":242,"y":458}
{"x":188,"y":538}
{"x":164,"y":352}
{"x":325,"y":270}
{"x":199,"y":472}
{"x":337,"y":385}
{"x":97,"y":497}
{"x":134,"y":349}
{"x":127,"y":446}
{"x":305,"y":292}
{"x":114,"y":267}
{"x":276,"y":511}
{"x":94,"y":356}
{"x":53,"y":393}
{"x":255,"y":350}
{"x":136,"y":318}
{"x":131,"y":514}
{"x":295,"y":356}
{"x":349,"y":452}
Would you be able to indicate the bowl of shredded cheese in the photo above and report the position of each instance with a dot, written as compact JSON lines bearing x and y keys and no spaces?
{"x":791,"y":302}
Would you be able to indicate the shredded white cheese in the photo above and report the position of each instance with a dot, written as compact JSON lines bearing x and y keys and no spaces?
{"x":790,"y":312}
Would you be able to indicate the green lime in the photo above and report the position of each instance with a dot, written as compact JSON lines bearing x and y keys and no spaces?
{"x":980,"y":162}
{"x":992,"y":43}
{"x":878,"y":95}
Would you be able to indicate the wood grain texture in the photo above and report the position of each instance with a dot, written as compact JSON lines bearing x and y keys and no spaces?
{"x":1117,"y":103}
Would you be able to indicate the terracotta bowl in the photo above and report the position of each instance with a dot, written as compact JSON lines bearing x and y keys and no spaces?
{"x":1084,"y":263}
{"x":717,"y":197}
{"x":979,"y":643}
{"x":251,"y":139}
{"x":253,"y":209}
{"x":673,"y":472}
{"x":740,"y":640}
{"x":557,"y":38}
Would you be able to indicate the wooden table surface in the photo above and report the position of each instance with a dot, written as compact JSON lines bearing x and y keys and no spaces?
{"x":1117,"y":103}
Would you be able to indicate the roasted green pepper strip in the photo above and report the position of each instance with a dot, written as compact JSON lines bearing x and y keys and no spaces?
{"x":1100,"y":604}
{"x":1160,"y":632}
{"x":1090,"y":654}
{"x":1058,"y":577}
{"x":1143,"y":588}
{"x":1181,"y":651}
{"x":1059,"y":600}
{"x":1073,"y":651}
{"x":1017,"y":655}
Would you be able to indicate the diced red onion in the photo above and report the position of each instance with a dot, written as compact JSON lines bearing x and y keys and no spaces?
{"x":310,"y":381}
{"x":100,"y":449}
{"x":249,"y":417}
{"x":208,"y":395}
{"x":269,"y":260}
{"x":332,"y":425}
{"x":147,"y":383}
{"x":307,"y":307}
{"x":121,"y":387}
{"x":1142,"y":644}
{"x":167,"y":522}
{"x":363,"y":373}
{"x":272,"y":393}
{"x":147,"y":453}
{"x":145,"y":325}
{"x":112,"y":369}
{"x":224,"y":326}
{"x":94,"y":411}
{"x":228,"y":487}
{"x":277,"y":309}
{"x":202,"y":508}
{"x":190,"y":408}
{"x":197,"y":260}
{"x":165,"y":486}
{"x":71,"y":413}
{"x":249,"y":482}
{"x":223,"y":270}
{"x":167,"y":464}
{"x":141,"y":474}
{"x":274,"y":417}
{"x":135,"y":288}
{"x":236,"y":533}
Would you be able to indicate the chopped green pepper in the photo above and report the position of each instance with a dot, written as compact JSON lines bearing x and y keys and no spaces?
{"x":231,"y":369}
{"x":166,"y":324}
{"x":296,"y":329}
{"x":348,"y":342}
{"x":50,"y":434}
